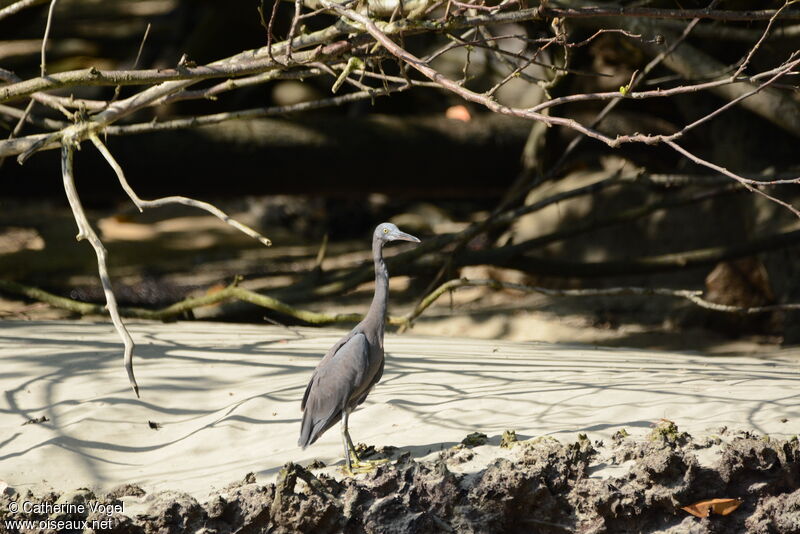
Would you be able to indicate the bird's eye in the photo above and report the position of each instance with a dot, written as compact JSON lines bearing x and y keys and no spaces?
{"x":385,"y":230}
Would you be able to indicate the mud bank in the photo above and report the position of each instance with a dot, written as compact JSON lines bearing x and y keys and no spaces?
{"x":542,"y":485}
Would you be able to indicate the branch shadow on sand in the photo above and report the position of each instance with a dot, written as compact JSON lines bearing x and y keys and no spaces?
{"x":225,"y":398}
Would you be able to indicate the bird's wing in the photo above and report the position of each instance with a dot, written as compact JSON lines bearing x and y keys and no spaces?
{"x":325,"y":361}
{"x":372,"y":383}
{"x":336,"y":377}
{"x":341,"y":371}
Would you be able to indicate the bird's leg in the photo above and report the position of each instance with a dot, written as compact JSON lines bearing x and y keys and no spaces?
{"x":350,"y":444}
{"x":347,"y":442}
{"x":358,"y":465}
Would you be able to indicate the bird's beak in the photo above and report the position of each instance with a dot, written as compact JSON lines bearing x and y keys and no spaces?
{"x":402,"y":236}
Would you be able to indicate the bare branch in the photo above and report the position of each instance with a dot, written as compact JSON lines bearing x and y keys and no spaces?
{"x":43,"y":64}
{"x":298,"y":5}
{"x":26,"y":116}
{"x":664,"y":93}
{"x":744,"y":181}
{"x":85,"y":231}
{"x":16,"y":7}
{"x":247,"y":62}
{"x":141,"y":204}
{"x":450,"y":85}
{"x":638,"y":78}
{"x":27,"y":144}
{"x":18,"y":128}
{"x":764,"y":35}
{"x":23,"y":116}
{"x":118,"y":88}
{"x":657,"y":13}
{"x":783,"y":70}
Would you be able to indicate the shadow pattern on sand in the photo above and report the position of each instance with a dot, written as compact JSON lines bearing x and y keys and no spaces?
{"x":227,"y":398}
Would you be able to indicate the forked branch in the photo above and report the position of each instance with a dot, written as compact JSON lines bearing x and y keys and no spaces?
{"x":141,"y":204}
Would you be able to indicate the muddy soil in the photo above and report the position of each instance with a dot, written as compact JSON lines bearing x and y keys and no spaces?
{"x":543,"y":486}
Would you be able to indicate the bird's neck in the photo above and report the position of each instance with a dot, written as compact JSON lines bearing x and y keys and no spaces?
{"x":377,"y":310}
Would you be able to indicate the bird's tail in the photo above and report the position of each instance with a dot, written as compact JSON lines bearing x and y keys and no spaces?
{"x":313,"y":427}
{"x":306,"y":428}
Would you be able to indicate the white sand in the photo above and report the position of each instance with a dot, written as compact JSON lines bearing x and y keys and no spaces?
{"x":227,"y":398}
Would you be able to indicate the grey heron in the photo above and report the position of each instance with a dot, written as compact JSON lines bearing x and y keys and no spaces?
{"x":344,"y":377}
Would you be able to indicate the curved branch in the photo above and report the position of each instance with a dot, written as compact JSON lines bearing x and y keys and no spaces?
{"x":85,"y":231}
{"x":141,"y":203}
{"x":658,"y":13}
{"x":16,"y":7}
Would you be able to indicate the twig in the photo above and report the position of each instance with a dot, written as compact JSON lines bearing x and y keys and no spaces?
{"x":141,"y":46}
{"x":204,"y":120}
{"x":26,"y":116}
{"x":463,"y":92}
{"x":323,"y":249}
{"x":787,"y":67}
{"x":240,"y":66}
{"x":245,"y":295}
{"x":634,"y":83}
{"x":270,"y":34}
{"x":16,"y":7}
{"x":95,"y":77}
{"x":692,"y":62}
{"x":78,"y":132}
{"x":731,"y":33}
{"x":298,"y":5}
{"x":85,"y":231}
{"x":744,"y":181}
{"x":141,"y":203}
{"x":43,"y":63}
{"x":746,"y":61}
{"x":118,"y":88}
{"x":243,"y":63}
{"x":23,"y":118}
{"x":37,"y":142}
{"x":657,"y":13}
{"x":231,"y":84}
{"x":43,"y":71}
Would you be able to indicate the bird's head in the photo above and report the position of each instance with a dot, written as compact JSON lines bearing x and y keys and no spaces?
{"x":386,"y":232}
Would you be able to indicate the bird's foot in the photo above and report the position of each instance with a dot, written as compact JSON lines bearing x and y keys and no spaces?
{"x":363,"y":466}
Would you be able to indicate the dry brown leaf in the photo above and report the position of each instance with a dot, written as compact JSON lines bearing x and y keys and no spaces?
{"x":459,"y":113}
{"x":718,"y":506}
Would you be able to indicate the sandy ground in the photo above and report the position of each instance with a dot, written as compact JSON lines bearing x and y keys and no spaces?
{"x":225,"y":399}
